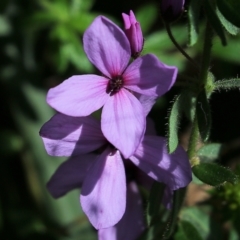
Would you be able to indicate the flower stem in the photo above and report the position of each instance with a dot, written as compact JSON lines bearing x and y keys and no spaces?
{"x":207,"y":46}
{"x":169,"y":31}
{"x":193,"y":140}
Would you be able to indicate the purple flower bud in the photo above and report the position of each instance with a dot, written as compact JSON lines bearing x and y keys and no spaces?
{"x":133,"y":32}
{"x":171,"y":9}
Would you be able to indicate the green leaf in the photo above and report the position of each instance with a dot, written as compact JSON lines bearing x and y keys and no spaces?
{"x":193,"y":17}
{"x":178,"y":197}
{"x":174,"y":119}
{"x":227,"y":84}
{"x":214,"y":174}
{"x":230,"y":10}
{"x":227,"y":25}
{"x":214,"y":20}
{"x":210,"y":151}
{"x":5,"y":27}
{"x":199,"y":217}
{"x":188,"y":103}
{"x":147,"y":15}
{"x":155,"y":199}
{"x":203,"y":115}
{"x":187,"y":231}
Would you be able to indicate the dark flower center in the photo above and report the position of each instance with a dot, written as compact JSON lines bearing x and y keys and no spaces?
{"x":114,"y":85}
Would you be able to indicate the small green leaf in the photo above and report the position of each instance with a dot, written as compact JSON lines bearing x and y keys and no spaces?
{"x":230,"y":10}
{"x":193,"y":17}
{"x":214,"y":174}
{"x":214,"y":20}
{"x":174,"y":119}
{"x":155,"y":199}
{"x":187,"y":231}
{"x":227,"y":84}
{"x":178,"y":198}
{"x":203,"y":115}
{"x":210,"y":151}
{"x":199,"y":217}
{"x":227,"y":25}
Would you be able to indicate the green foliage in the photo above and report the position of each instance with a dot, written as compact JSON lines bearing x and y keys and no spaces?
{"x":214,"y":174}
{"x":227,"y":53}
{"x":214,"y":20}
{"x":227,"y":25}
{"x":230,"y":10}
{"x":159,"y":44}
{"x":5,"y":27}
{"x":193,"y":16}
{"x":199,"y":217}
{"x":203,"y":115}
{"x":178,"y":198}
{"x":67,"y":23}
{"x":154,"y":203}
{"x":173,"y":124}
{"x":227,"y":84}
{"x":210,"y":151}
{"x":146,"y":16}
{"x":186,"y":231}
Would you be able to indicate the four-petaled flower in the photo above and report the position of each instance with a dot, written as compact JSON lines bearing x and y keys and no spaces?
{"x":102,"y":174}
{"x":123,"y":120}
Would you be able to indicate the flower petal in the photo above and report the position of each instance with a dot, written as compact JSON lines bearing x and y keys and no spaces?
{"x":132,"y":223}
{"x":79,"y":95}
{"x":146,"y":101}
{"x":153,"y":158}
{"x":148,"y":76}
{"x":107,"y":47}
{"x":103,"y":195}
{"x":70,"y":175}
{"x":69,"y":136}
{"x":123,"y":122}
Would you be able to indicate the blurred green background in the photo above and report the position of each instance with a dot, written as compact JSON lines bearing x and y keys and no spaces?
{"x":40,"y":46}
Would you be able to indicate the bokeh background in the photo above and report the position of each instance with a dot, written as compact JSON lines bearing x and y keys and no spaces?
{"x":40,"y":46}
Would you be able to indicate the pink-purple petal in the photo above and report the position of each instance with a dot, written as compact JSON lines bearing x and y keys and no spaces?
{"x":132,"y":223}
{"x":123,"y":122}
{"x":103,"y":195}
{"x":153,"y":158}
{"x":126,"y":21}
{"x":148,"y":76}
{"x":79,"y":95}
{"x":70,"y":174}
{"x":107,"y":47}
{"x":68,"y":136}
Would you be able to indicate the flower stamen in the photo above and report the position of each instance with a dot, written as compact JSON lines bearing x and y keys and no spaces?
{"x":114,"y":85}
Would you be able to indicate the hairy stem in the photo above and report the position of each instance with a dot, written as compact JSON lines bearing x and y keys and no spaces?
{"x":168,"y":29}
{"x":207,"y":46}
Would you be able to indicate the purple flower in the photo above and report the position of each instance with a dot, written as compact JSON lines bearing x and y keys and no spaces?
{"x":123,"y":121}
{"x":172,"y":9}
{"x":134,"y":33}
{"x":132,"y":223}
{"x":102,"y":175}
